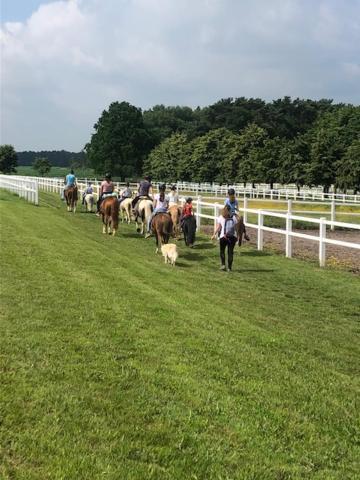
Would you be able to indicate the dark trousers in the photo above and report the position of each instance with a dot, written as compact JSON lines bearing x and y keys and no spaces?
{"x":228,"y":243}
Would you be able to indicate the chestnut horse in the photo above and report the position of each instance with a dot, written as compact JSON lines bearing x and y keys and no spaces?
{"x":175,"y":213}
{"x":240,"y":229}
{"x":71,"y":197}
{"x":109,"y":210}
{"x":162,"y":227}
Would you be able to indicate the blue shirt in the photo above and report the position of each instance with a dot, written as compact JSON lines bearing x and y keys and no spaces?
{"x":233,"y":205}
{"x":70,"y":179}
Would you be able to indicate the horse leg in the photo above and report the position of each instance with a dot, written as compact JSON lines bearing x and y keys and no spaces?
{"x":74,"y":207}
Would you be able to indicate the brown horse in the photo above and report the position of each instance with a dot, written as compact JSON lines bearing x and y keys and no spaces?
{"x":162,"y":227}
{"x":240,"y":229}
{"x":175,"y":213}
{"x":71,"y":197}
{"x":109,"y":210}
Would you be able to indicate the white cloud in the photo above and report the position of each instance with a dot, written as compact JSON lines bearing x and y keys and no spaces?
{"x":70,"y":59}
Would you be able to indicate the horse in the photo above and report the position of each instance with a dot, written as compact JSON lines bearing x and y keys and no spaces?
{"x":89,"y":201}
{"x":71,"y":197}
{"x":175,"y":213}
{"x":162,"y":227}
{"x":109,"y":210}
{"x":189,"y":230}
{"x":145,"y":208}
{"x":125,"y":210}
{"x":240,"y":229}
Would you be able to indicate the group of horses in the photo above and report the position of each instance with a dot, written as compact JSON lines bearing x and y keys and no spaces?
{"x":163,"y":225}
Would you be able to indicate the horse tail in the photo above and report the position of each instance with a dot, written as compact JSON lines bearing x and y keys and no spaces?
{"x":115,"y":214}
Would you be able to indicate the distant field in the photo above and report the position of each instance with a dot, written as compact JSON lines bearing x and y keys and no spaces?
{"x":56,"y":171}
{"x":116,"y":366}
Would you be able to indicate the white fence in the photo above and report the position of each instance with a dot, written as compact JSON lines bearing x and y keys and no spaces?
{"x":24,"y":187}
{"x":267,"y":193}
{"x":27,"y":187}
{"x":320,"y":223}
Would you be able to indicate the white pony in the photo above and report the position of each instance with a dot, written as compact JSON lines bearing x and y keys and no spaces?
{"x":89,"y":201}
{"x":145,"y":208}
{"x":125,"y":210}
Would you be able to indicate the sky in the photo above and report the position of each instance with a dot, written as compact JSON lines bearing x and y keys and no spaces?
{"x":64,"y":62}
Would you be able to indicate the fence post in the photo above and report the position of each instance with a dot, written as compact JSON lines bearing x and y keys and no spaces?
{"x":216,"y":214}
{"x":260,"y":238}
{"x":288,"y":239}
{"x":333,"y":210}
{"x":322,"y":244}
{"x":36,"y":186}
{"x":198,"y":212}
{"x":245,"y":209}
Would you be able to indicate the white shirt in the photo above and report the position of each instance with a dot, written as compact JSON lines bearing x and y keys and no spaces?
{"x":159,"y":203}
{"x":221,"y":221}
{"x":173,"y":198}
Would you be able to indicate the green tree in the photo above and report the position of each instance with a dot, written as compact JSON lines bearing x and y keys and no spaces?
{"x":210,"y":156}
{"x":294,"y":159}
{"x":42,"y":166}
{"x":244,"y":153}
{"x":8,"y":159}
{"x":265,"y":160}
{"x":120,"y":142}
{"x":169,"y":161}
{"x":348,"y":168}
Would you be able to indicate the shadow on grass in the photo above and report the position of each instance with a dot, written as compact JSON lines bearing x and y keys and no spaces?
{"x":204,"y":246}
{"x":132,"y":235}
{"x":253,"y":253}
{"x":192,"y":256}
{"x":254,"y":270}
{"x":183,"y":265}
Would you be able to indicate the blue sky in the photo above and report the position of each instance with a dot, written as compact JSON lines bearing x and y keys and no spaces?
{"x":64,"y":61}
{"x":18,"y":10}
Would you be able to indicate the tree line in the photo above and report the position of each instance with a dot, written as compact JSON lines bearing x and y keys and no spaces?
{"x":247,"y":140}
{"x":234,"y":140}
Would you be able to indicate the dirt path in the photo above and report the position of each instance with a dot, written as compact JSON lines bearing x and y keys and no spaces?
{"x":348,"y":258}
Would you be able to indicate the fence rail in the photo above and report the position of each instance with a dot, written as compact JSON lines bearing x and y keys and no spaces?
{"x":24,"y":187}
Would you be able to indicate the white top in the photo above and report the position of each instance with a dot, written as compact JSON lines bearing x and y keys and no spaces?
{"x":161,"y":204}
{"x":173,"y":198}
{"x":221,"y":221}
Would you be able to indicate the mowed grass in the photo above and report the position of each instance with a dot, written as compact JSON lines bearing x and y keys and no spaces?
{"x":116,"y":366}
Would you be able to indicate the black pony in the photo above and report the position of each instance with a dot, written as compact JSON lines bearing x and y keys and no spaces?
{"x":189,"y":229}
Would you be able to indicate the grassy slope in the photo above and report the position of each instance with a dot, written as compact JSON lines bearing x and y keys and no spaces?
{"x":114,"y":366}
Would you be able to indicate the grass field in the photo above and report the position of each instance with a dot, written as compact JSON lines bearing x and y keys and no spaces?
{"x":116,"y":366}
{"x":55,"y":171}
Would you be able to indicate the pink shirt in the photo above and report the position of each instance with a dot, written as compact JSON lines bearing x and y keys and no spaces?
{"x":106,"y":187}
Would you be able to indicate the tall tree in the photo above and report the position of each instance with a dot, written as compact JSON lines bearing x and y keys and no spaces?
{"x":169,"y":161}
{"x":8,"y":159}
{"x":294,"y":159}
{"x":120,"y":142}
{"x":348,"y":168}
{"x":42,"y":166}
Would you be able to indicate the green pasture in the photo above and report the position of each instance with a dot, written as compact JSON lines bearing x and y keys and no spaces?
{"x":55,"y":171}
{"x":114,"y":365}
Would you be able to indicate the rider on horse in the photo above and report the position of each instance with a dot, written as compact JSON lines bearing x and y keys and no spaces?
{"x":161,"y":205}
{"x":233,"y":206}
{"x":88,"y":191}
{"x":106,"y":188}
{"x":173,"y":197}
{"x":126,"y":193}
{"x":70,"y":180}
{"x":145,"y":191}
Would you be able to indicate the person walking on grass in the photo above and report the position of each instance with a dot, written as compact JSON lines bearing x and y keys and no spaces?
{"x":226,"y":231}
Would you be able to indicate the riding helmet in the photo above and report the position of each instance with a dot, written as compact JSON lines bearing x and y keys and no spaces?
{"x":173,"y":187}
{"x":231,"y":191}
{"x":108,"y":176}
{"x":162,"y":187}
{"x":189,"y":200}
